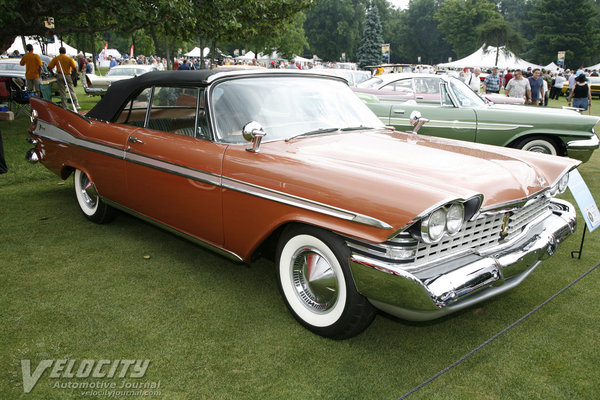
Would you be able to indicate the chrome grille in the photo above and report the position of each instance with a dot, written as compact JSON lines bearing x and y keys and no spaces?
{"x":484,"y":232}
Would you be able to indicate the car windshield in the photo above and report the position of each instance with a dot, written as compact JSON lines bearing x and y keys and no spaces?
{"x":121,"y":72}
{"x":465,"y":96}
{"x":286,"y":107}
{"x":372,"y":83}
{"x":11,"y":66}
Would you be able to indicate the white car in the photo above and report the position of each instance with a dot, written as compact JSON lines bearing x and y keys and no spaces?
{"x":98,"y":84}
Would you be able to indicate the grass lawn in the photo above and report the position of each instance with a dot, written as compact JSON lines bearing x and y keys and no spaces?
{"x":213,"y":329}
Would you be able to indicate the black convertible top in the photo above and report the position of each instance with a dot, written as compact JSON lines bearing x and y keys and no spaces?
{"x":120,"y":91}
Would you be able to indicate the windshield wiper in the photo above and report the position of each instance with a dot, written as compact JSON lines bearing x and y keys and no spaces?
{"x":356,"y":128}
{"x":315,"y":132}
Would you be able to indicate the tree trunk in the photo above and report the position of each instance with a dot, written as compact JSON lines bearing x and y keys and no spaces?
{"x":24,"y":44}
{"x":93,"y":52}
{"x":168,"y":53}
{"x":155,"y":40}
{"x":213,"y":53}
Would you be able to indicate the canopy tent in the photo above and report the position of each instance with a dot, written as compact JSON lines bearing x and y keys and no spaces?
{"x":195,"y":52}
{"x":487,"y":59}
{"x":51,"y":48}
{"x":249,"y":56}
{"x":103,"y":56}
{"x":552,"y":67}
{"x":593,"y":67}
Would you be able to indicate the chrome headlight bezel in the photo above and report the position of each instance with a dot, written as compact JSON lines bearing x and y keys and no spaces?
{"x":433,"y":227}
{"x":455,"y":218}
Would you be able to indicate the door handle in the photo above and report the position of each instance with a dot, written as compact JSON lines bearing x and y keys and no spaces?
{"x":133,"y":139}
{"x":419,"y":97}
{"x":401,"y":112}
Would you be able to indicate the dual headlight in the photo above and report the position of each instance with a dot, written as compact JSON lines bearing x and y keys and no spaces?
{"x":446,"y":220}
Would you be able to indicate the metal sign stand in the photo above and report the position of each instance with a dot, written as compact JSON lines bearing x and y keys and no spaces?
{"x":578,"y":252}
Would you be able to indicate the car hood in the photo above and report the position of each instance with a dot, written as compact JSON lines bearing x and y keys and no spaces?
{"x":394,"y":176}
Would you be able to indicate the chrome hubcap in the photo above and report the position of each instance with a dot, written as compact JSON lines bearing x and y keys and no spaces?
{"x":540,"y":149}
{"x":88,"y":191}
{"x":314,"y":279}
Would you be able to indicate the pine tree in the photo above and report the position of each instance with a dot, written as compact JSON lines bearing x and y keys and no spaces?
{"x":369,"y":52}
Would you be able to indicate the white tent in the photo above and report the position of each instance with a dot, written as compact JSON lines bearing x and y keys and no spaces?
{"x":593,"y":67}
{"x":249,"y":56}
{"x":103,"y":56}
{"x":51,"y":48}
{"x":552,"y":67}
{"x":195,"y":52}
{"x":487,"y":59}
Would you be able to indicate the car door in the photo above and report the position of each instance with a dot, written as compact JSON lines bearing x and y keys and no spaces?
{"x":432,"y":100}
{"x":173,"y":170}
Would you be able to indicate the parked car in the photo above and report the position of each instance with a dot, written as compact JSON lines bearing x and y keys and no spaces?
{"x":361,"y":216}
{"x":11,"y":68}
{"x":455,"y":111}
{"x":98,"y":84}
{"x":352,"y":76}
{"x":418,"y":87}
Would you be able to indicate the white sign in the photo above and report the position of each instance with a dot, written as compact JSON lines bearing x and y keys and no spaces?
{"x":584,"y":200}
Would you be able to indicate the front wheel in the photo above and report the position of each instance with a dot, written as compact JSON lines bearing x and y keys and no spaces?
{"x":316,"y":283}
{"x":538,"y":145}
{"x":90,"y":202}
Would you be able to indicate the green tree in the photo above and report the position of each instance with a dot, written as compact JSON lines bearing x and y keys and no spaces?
{"x":333,"y":27}
{"x":569,"y":25}
{"x":458,"y":20}
{"x":420,"y":35}
{"x":497,"y":32}
{"x":369,"y":52}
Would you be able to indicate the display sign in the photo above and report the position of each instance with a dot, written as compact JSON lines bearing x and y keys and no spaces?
{"x":584,"y":199}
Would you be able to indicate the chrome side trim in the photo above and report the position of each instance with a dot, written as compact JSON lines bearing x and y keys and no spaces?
{"x":284,"y":198}
{"x":226,"y":253}
{"x":54,"y":133}
{"x":176,"y":169}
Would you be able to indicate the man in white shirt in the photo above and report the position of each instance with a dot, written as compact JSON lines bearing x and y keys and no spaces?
{"x":518,"y":87}
{"x":473,"y":80}
{"x":556,"y":90}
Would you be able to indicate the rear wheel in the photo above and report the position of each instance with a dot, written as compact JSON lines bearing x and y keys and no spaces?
{"x":538,"y":144}
{"x":316,"y":283}
{"x":90,"y":202}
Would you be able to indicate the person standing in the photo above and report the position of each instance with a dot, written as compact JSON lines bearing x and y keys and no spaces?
{"x":559,"y":81}
{"x":581,"y":93}
{"x":81,"y":63}
{"x":33,"y":70}
{"x":507,"y":77}
{"x":491,"y":83}
{"x":537,"y":88}
{"x":64,"y":64}
{"x":474,"y":81}
{"x":518,"y":87}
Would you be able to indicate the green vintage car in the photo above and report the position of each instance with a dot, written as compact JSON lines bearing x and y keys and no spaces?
{"x":455,"y":111}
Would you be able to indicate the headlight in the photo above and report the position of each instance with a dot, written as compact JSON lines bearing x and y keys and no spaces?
{"x":455,"y":217}
{"x":563,"y":183}
{"x":434,"y":226}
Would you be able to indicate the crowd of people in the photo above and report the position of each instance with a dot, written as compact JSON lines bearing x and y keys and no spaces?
{"x":534,"y":85}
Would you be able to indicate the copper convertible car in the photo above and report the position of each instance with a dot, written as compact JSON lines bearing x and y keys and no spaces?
{"x":363,"y":217}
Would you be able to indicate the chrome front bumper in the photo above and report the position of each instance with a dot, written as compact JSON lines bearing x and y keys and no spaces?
{"x":582,"y":149}
{"x":466,"y":280}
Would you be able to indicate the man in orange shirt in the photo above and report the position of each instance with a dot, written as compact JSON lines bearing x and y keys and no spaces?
{"x":33,"y":69}
{"x":64,"y":64}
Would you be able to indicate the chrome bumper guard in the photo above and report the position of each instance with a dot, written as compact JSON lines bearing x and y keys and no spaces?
{"x":582,"y":149}
{"x":442,"y":288}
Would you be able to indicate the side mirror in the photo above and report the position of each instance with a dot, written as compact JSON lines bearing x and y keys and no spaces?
{"x":253,"y":132}
{"x":417,"y":121}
